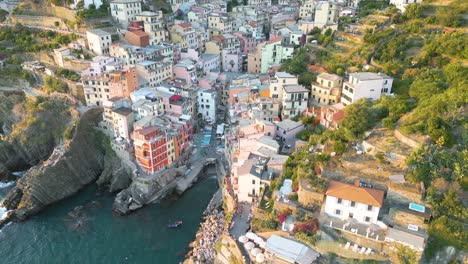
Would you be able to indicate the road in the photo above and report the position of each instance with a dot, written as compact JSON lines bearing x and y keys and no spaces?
{"x":31,"y":92}
{"x":47,"y":28}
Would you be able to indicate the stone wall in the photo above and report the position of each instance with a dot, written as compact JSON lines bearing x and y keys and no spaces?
{"x":308,"y":197}
{"x":40,"y":21}
{"x":406,"y":140}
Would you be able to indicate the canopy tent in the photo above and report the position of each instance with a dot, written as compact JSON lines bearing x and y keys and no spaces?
{"x":258,"y":240}
{"x":260,"y":258}
{"x":243,"y":239}
{"x":255,"y":251}
{"x":251,"y":235}
{"x":249,"y":245}
{"x":262,"y":244}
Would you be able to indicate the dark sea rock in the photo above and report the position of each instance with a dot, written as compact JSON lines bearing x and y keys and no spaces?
{"x":81,"y":163}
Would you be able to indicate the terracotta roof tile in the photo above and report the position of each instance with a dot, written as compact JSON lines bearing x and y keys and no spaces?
{"x":357,"y":194}
{"x":273,"y":40}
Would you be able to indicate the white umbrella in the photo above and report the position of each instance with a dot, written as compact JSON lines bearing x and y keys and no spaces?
{"x":251,"y":235}
{"x":249,"y":245}
{"x":258,"y":240}
{"x":260,"y":258}
{"x":255,"y":251}
{"x":243,"y":239}
{"x":262,"y":244}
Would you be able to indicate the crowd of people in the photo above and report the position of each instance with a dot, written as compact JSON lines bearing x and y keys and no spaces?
{"x":204,"y":247}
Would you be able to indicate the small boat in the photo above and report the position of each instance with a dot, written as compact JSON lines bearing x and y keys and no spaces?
{"x":175,"y":224}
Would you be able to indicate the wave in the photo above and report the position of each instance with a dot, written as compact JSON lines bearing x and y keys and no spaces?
{"x":18,"y":173}
{"x":6,"y":184}
{"x":3,"y":213}
{"x":7,"y":224}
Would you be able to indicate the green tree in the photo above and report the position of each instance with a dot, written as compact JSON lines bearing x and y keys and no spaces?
{"x":406,"y":255}
{"x":428,"y":83}
{"x":339,"y":147}
{"x":357,"y":119}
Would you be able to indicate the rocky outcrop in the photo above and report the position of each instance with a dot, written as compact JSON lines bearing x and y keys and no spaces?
{"x":66,"y":172}
{"x":145,"y":190}
{"x":116,"y":176}
{"x":30,"y":130}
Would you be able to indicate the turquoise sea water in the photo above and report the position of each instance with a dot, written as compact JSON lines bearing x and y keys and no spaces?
{"x":54,"y":236}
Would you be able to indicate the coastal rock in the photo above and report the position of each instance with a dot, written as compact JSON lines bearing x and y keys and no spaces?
{"x":66,"y":172}
{"x":24,"y":143}
{"x":145,"y":190}
{"x":115,"y":175}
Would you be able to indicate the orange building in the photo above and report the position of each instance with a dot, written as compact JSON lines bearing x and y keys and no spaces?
{"x":122,"y":83}
{"x":137,"y":38}
{"x":151,"y":149}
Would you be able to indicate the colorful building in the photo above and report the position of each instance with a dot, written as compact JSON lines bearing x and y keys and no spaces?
{"x":151,"y":149}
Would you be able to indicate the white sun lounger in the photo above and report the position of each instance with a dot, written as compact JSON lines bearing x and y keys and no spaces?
{"x":347,"y":245}
{"x":362,"y":250}
{"x":368,"y":251}
{"x":355,"y":247}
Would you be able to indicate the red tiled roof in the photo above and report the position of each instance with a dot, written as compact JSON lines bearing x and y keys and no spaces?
{"x":273,"y":40}
{"x":138,"y":33}
{"x":185,"y":25}
{"x":357,"y":194}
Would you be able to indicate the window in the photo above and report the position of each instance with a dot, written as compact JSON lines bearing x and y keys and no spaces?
{"x":353,"y":204}
{"x":367,"y":219}
{"x":339,"y":200}
{"x":351,"y":215}
{"x":369,"y":208}
{"x":337,"y":212}
{"x":253,"y":181}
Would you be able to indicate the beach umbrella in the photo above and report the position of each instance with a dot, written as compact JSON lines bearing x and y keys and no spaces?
{"x":243,"y":239}
{"x":255,"y":251}
{"x":258,"y":240}
{"x":262,"y":244}
{"x":251,"y":235}
{"x":249,"y":245}
{"x":260,"y":258}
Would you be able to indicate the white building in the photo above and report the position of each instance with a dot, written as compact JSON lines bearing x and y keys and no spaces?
{"x":86,"y":3}
{"x":346,"y":201}
{"x":99,"y":41}
{"x":283,"y":250}
{"x":118,"y":117}
{"x":154,"y":26}
{"x":207,"y":99}
{"x":210,"y":63}
{"x":151,"y":73}
{"x":144,"y":107}
{"x":295,"y":98}
{"x":287,"y":129}
{"x":252,"y":180}
{"x":320,"y":13}
{"x":124,"y":11}
{"x":402,"y":4}
{"x":365,"y":85}
{"x":277,"y":83}
{"x":232,"y":60}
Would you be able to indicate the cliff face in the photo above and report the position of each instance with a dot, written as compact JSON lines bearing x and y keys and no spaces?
{"x":63,"y":174}
{"x":29,"y":130}
{"x":145,"y":190}
{"x":115,"y":175}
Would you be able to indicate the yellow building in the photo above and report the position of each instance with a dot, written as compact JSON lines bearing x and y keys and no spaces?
{"x":327,"y":89}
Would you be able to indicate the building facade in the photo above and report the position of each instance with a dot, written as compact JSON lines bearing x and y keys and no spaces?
{"x":327,"y":89}
{"x":345,"y":201}
{"x":150,"y":149}
{"x":365,"y":85}
{"x":124,"y":11}
{"x":99,"y":41}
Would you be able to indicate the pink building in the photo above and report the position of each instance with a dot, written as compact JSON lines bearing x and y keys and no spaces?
{"x":331,"y":115}
{"x":186,"y":71}
{"x":248,"y":44}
